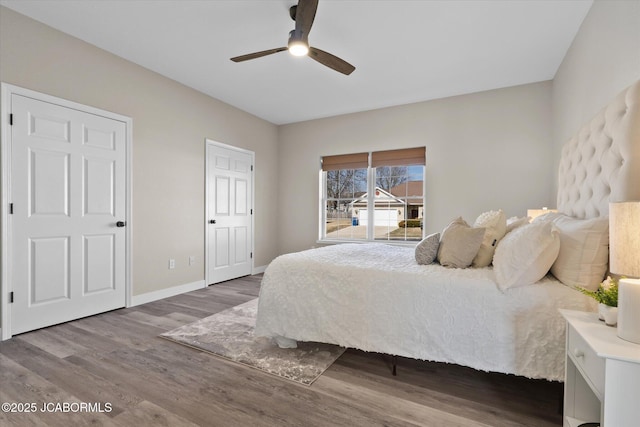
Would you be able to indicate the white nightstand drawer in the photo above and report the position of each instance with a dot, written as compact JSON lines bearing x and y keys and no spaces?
{"x":586,"y":360}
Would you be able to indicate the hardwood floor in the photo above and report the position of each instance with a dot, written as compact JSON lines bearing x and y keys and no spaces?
{"x":116,"y":360}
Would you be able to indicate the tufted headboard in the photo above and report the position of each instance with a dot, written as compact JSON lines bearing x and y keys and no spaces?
{"x":602,"y":162}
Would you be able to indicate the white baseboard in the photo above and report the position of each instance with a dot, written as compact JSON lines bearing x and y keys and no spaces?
{"x":166,"y":293}
{"x":258,"y":270}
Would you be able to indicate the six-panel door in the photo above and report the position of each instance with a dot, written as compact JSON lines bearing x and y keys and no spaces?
{"x":229,"y":222}
{"x":68,"y":192}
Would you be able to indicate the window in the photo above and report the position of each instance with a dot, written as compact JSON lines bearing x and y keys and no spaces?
{"x":345,"y":180}
{"x":373,"y":196}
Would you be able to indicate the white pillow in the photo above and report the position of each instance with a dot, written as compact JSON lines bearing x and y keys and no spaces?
{"x":515,"y":222}
{"x":547,"y":217}
{"x":459,"y":244}
{"x":427,"y":249}
{"x":525,"y":255}
{"x":495,"y":224}
{"x":584,"y":251}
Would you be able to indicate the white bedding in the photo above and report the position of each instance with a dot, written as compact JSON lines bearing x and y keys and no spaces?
{"x":375,"y":297}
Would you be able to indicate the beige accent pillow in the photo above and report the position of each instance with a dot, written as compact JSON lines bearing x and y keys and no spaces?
{"x":459,"y":244}
{"x":495,"y":225}
{"x":427,"y":249}
{"x":525,"y":255}
{"x":584,"y":251}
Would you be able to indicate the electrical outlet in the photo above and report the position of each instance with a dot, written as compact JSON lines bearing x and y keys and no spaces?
{"x":192,"y":260}
{"x":172,"y":264}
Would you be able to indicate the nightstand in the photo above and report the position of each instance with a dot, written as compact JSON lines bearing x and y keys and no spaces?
{"x":602,"y":376}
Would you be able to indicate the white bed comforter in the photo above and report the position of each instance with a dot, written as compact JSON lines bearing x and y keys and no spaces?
{"x":375,"y":297}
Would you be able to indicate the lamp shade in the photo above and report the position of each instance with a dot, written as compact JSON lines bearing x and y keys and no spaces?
{"x":624,"y":238}
{"x":624,"y":260}
{"x":534,"y":213}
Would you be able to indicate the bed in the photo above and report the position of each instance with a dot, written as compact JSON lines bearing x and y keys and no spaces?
{"x":375,"y":297}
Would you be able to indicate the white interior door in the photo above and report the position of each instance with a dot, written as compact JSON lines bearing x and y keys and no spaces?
{"x":229,"y":211}
{"x":68,"y":193}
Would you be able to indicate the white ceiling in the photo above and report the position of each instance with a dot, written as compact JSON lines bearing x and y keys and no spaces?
{"x":403,"y":51}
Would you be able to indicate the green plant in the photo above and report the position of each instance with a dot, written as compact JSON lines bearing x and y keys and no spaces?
{"x":607,"y":292}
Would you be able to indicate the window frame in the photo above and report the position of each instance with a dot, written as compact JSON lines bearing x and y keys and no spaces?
{"x":371,"y":188}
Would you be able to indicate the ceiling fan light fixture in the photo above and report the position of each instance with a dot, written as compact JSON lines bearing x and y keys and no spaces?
{"x":303,"y":13}
{"x":298,"y":48}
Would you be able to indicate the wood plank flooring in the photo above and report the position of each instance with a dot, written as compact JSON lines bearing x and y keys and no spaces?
{"x":117,"y":359}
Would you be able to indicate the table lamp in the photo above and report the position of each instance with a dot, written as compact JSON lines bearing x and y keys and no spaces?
{"x":624,"y":260}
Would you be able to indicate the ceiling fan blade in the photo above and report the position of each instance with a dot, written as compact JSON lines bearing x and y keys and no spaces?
{"x":331,"y":61}
{"x":257,"y":54}
{"x":305,"y":14}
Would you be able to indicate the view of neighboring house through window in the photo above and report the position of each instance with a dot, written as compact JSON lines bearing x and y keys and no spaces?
{"x":344,"y":180}
{"x":373,"y":196}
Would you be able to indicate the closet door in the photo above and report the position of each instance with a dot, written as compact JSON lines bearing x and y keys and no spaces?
{"x":68,"y":194}
{"x":229,"y":209}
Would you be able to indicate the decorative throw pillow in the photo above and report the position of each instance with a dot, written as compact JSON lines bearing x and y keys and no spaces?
{"x":459,"y":244}
{"x":584,"y":251}
{"x":526,"y":254}
{"x":515,"y":222}
{"x":495,"y":225}
{"x":427,"y":249}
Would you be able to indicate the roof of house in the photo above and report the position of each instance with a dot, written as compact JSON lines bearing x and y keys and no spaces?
{"x":411,"y":191}
{"x":408,"y":189}
{"x":382,"y":196}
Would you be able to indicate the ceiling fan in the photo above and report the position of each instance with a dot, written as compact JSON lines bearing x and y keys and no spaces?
{"x":298,"y":45}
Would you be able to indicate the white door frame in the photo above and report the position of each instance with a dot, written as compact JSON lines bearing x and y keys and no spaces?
{"x":6,"y":91}
{"x":207,"y":143}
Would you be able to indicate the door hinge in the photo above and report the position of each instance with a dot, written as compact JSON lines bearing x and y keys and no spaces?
{"x":11,"y":119}
{"x":10,"y":208}
{"x":10,"y":297}
{"x":251,"y":168}
{"x":250,"y":256}
{"x":251,"y":211}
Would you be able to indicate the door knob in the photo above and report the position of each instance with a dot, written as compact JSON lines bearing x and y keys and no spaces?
{"x":121,"y":224}
{"x":212,"y":221}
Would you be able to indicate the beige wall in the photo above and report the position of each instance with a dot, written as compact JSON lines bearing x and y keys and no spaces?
{"x":484,"y":151}
{"x":170,"y":123}
{"x":487,"y":150}
{"x":603,"y":59}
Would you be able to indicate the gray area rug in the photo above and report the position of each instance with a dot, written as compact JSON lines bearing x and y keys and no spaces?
{"x":230,"y":334}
